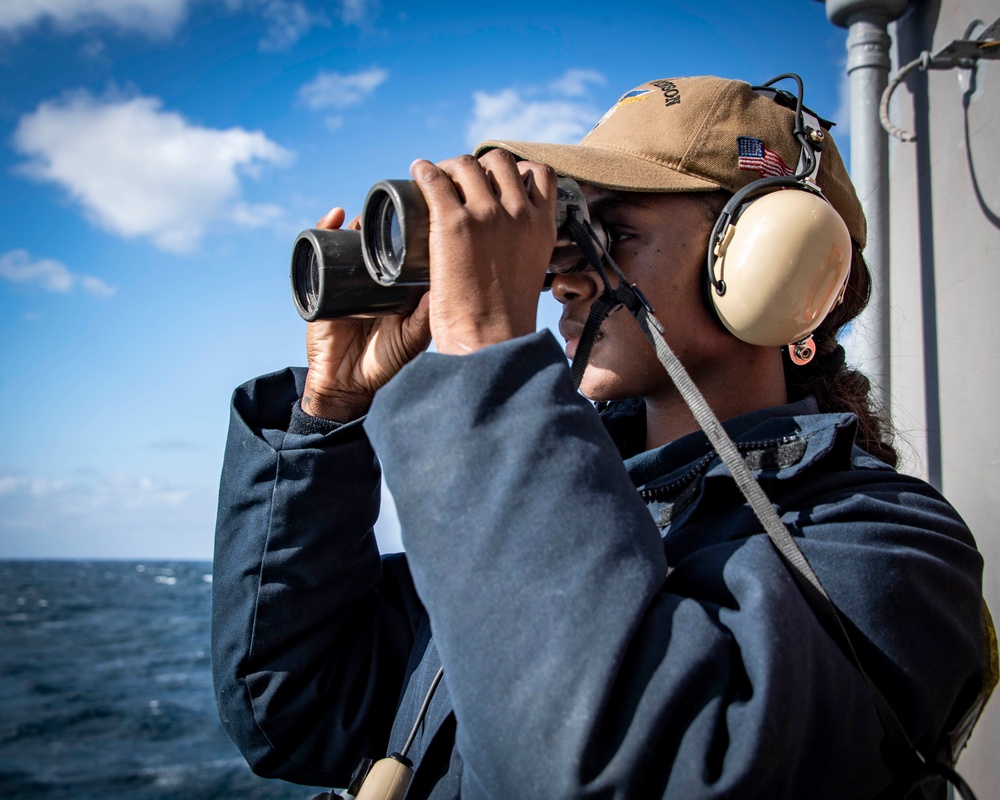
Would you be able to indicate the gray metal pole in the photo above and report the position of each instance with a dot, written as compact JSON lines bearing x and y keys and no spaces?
{"x":868,"y":66}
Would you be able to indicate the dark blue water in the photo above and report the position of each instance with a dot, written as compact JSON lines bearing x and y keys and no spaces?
{"x":106,"y":686}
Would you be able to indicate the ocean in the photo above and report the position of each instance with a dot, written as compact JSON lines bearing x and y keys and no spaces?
{"x":106,"y":686}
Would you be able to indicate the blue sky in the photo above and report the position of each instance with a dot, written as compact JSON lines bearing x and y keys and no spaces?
{"x":157,"y":158}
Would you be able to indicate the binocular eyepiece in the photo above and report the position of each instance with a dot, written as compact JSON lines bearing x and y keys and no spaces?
{"x":385,"y":268}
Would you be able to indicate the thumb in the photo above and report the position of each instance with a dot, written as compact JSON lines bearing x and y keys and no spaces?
{"x":417,"y":326}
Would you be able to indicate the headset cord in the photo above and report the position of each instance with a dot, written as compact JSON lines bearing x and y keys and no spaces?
{"x":423,"y":711}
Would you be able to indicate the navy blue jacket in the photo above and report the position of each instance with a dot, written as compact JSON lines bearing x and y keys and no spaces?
{"x":598,"y":641}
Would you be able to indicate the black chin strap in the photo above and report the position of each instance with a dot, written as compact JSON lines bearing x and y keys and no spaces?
{"x":913,"y":767}
{"x":611,"y":299}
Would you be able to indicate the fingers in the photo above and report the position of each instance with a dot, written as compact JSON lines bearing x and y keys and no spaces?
{"x":539,"y":183}
{"x":417,"y":326}
{"x":436,"y":186}
{"x":521,"y":179}
{"x":495,"y":177}
{"x":502,"y":170}
{"x":465,"y":180}
{"x":456,"y":184}
{"x":332,"y":220}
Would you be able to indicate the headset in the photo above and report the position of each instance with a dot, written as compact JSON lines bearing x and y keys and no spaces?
{"x":778,"y":257}
{"x":779,"y":261}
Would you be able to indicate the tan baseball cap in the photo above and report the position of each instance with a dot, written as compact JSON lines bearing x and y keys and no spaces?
{"x":693,"y":135}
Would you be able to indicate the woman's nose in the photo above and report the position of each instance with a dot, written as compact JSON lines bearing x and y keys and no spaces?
{"x":570,"y":286}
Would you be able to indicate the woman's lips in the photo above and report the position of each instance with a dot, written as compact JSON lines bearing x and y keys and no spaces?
{"x":571,"y":345}
{"x":572,"y":331}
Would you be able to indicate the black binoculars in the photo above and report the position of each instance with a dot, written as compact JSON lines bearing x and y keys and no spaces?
{"x":384,"y":268}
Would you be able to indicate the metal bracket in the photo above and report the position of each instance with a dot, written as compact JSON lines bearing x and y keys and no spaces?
{"x":962,"y":53}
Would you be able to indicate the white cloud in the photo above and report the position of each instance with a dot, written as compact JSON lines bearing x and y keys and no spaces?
{"x":356,"y":12}
{"x":256,"y":215}
{"x":80,"y":496}
{"x":138,"y":170}
{"x":560,"y":114}
{"x":105,"y":516}
{"x":96,"y":286}
{"x":93,"y":50}
{"x":289,"y":20}
{"x":339,"y":90}
{"x":152,"y":17}
{"x":17,"y":266}
{"x":575,"y":82}
{"x":91,"y":515}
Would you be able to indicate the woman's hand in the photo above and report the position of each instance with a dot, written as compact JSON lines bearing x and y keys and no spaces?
{"x":350,"y":359}
{"x":492,"y":231}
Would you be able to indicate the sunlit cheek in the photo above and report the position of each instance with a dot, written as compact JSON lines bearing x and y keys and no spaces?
{"x":595,"y":385}
{"x":622,"y":364}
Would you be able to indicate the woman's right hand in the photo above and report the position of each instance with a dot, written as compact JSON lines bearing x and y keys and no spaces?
{"x":350,"y":359}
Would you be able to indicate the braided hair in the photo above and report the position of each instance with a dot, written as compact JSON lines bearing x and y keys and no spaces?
{"x":828,"y":378}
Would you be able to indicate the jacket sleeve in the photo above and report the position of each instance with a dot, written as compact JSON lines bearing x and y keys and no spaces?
{"x":582,"y":664}
{"x":311,"y":630}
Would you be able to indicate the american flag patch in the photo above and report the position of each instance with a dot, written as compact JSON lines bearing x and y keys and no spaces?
{"x":754,"y":157}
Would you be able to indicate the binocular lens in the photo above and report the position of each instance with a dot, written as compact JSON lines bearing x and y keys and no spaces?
{"x":396,"y":236}
{"x":305,"y":275}
{"x":385,"y":240}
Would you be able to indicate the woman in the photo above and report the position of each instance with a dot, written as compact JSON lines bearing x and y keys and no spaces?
{"x":596,"y":640}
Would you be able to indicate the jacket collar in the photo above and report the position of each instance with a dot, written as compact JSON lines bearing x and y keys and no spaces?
{"x":780,"y":442}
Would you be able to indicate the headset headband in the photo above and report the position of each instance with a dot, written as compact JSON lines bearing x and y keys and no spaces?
{"x":809,"y":131}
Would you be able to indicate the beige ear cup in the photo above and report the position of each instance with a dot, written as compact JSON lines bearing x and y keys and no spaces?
{"x":785,"y":264}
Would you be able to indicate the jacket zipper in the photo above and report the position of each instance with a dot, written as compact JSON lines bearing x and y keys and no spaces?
{"x":699,"y":468}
